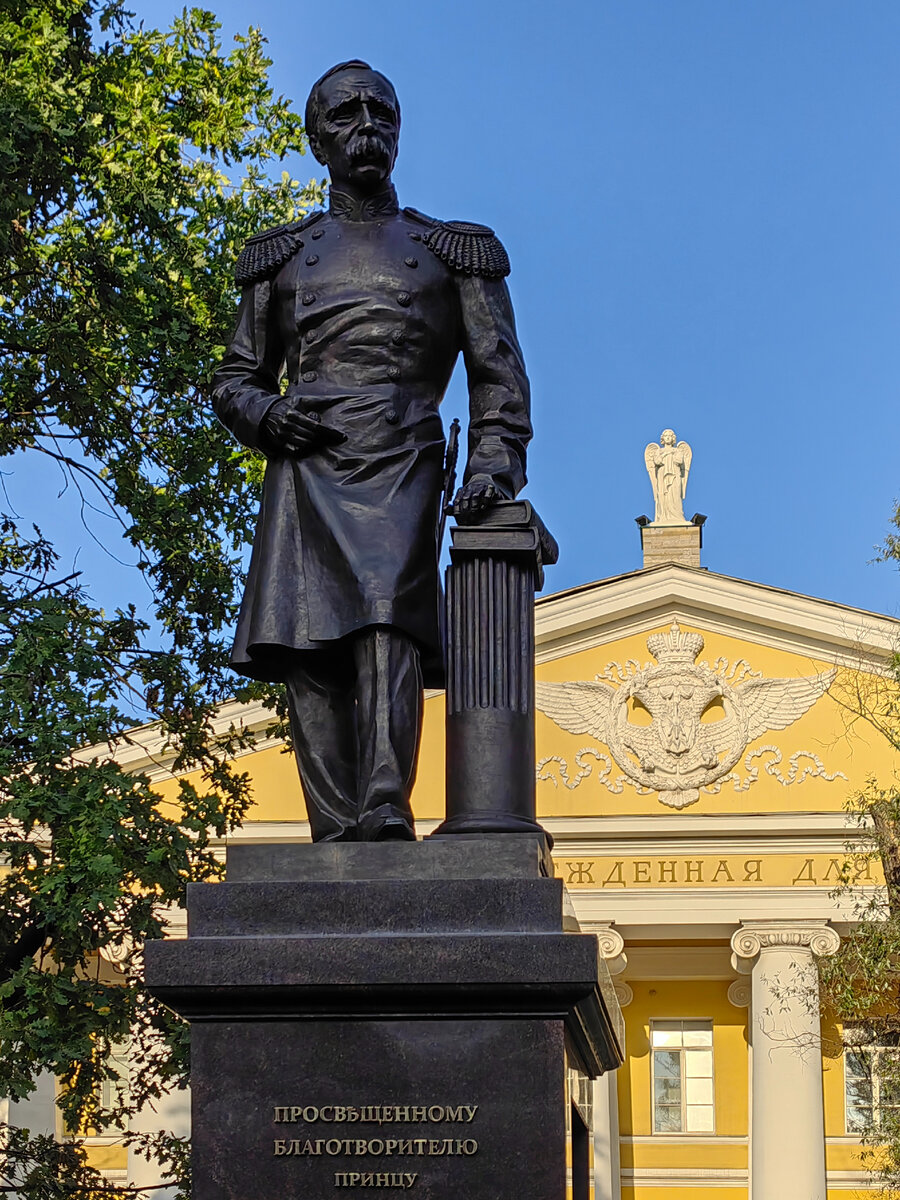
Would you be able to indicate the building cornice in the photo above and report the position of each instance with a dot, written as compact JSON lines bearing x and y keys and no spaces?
{"x":594,"y":614}
{"x":598,"y":613}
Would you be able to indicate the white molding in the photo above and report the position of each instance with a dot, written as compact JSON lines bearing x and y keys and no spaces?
{"x":678,"y":962}
{"x":269,"y":831}
{"x":686,"y":1177}
{"x":684,"y":1139}
{"x":790,"y":832}
{"x":145,"y":749}
{"x":708,"y":914}
{"x":597,"y":613}
{"x":851,"y":1180}
{"x":714,"y":830}
{"x":673,"y":847}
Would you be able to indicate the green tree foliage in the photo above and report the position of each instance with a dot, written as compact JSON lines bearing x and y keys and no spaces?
{"x":861,"y":984}
{"x":134,"y":164}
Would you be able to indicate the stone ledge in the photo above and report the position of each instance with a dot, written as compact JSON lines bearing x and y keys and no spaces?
{"x":457,"y":856}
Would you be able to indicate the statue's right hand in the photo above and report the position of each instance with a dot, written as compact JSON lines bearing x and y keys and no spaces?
{"x":293,"y":432}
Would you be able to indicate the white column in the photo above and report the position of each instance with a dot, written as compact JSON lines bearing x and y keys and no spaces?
{"x":787,"y":1141}
{"x":172,"y":1114}
{"x":37,"y":1112}
{"x":607,"y":1180}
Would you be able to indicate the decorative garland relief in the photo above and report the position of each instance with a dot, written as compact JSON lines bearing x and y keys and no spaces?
{"x":678,"y":727}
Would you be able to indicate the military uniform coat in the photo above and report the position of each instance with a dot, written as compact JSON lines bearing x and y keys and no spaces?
{"x":366,"y":308}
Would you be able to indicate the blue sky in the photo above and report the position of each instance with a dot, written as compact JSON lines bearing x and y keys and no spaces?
{"x":701,"y":202}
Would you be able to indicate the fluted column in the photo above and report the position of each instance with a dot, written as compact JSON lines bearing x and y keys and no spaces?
{"x":497,"y":559}
{"x":37,"y":1112}
{"x":172,"y":1113}
{"x":787,"y":1133}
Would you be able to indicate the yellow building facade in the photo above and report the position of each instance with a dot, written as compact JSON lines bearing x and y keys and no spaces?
{"x":695,"y":754}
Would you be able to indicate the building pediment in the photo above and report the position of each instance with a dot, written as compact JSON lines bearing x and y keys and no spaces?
{"x":596,"y":614}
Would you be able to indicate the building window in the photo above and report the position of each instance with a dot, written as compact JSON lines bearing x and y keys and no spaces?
{"x":871,"y":1086}
{"x":110,"y":1094}
{"x":682,"y":1063}
{"x":114,"y":1092}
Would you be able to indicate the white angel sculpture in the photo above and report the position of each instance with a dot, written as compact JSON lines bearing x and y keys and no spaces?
{"x":668,"y":465}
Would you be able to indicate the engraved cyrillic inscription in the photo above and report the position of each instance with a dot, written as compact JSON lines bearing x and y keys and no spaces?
{"x":375,"y":1147}
{"x":374,"y":1114}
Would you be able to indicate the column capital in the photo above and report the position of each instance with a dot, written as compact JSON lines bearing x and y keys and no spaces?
{"x":754,"y":936}
{"x":624,"y":993}
{"x":739,"y":993}
{"x":611,"y":945}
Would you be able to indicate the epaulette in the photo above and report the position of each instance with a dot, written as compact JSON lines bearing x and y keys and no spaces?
{"x":465,"y":247}
{"x":263,"y":254}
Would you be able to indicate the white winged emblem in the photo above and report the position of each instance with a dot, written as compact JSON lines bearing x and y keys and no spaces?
{"x":677,"y":725}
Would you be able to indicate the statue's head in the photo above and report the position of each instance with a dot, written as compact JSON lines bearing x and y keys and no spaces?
{"x":667,"y":437}
{"x":353,"y":124}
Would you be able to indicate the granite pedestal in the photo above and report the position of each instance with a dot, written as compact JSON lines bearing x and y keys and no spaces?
{"x":389,"y":1017}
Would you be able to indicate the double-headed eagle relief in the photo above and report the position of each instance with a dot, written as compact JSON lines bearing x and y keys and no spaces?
{"x":668,"y":465}
{"x":676,"y":726}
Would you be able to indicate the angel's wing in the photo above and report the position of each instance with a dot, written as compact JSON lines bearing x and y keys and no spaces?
{"x":650,"y":462}
{"x":777,"y":703}
{"x":580,"y":707}
{"x":687,"y":455}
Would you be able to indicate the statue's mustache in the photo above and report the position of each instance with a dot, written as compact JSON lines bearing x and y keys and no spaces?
{"x":369,"y":147}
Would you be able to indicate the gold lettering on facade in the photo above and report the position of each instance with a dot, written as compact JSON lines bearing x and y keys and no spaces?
{"x":806,"y":874}
{"x":773,"y":870}
{"x":641,"y":869}
{"x":614,"y":878}
{"x":579,"y":872}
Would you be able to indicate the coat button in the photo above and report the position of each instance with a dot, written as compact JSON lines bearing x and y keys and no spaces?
{"x":309,"y":376}
{"x":411,"y":262}
{"x":398,"y":337}
{"x":391,"y":416}
{"x":393,"y":371}
{"x":317,"y":233}
{"x":312,"y":335}
{"x":312,"y":259}
{"x":404,"y":299}
{"x":308,"y":298}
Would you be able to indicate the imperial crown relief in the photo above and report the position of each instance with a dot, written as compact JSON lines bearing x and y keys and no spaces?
{"x":677,"y":726}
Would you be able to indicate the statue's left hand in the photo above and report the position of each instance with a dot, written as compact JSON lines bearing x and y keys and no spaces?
{"x":480,"y":492}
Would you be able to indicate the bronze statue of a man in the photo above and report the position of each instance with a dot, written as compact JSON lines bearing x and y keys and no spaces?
{"x":365,"y":308}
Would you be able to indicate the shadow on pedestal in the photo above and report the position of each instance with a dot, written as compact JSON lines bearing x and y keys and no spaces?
{"x":391,"y":1016}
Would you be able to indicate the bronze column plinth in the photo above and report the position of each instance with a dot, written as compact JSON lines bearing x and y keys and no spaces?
{"x":497,"y":560}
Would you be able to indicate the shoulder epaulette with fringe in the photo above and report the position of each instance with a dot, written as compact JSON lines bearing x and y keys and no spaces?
{"x":464,"y":246}
{"x":263,"y":254}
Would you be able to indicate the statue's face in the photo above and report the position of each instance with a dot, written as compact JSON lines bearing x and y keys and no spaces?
{"x":359,"y":128}
{"x":667,"y":437}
